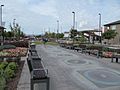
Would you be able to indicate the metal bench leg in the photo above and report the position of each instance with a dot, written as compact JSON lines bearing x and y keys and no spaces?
{"x":116,"y":60}
{"x":48,"y":86}
{"x":97,"y":54}
{"x":32,"y":85}
{"x":112,"y":59}
{"x":81,"y":50}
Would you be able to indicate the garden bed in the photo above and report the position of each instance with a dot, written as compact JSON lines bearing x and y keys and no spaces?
{"x":18,"y":51}
{"x":13,"y":82}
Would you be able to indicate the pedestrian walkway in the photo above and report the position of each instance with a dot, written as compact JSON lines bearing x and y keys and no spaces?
{"x":24,"y":83}
{"x":70,"y":70}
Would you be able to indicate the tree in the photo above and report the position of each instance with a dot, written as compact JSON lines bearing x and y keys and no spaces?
{"x":110,"y":34}
{"x":16,"y":30}
{"x":59,"y":35}
{"x":53,"y":35}
{"x":46,"y":34}
{"x":38,"y":36}
{"x":82,"y":38}
{"x":73,"y":34}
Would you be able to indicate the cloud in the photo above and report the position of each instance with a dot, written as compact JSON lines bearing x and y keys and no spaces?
{"x":34,"y":15}
{"x":82,"y":23}
{"x":46,"y":8}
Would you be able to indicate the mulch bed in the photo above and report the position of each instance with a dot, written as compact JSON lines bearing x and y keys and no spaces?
{"x":12,"y":83}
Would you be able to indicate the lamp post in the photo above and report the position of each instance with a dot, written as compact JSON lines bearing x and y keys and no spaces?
{"x":57,"y":30}
{"x":100,"y":39}
{"x":1,"y":26}
{"x":57,"y":26}
{"x":73,"y":20}
{"x":14,"y":27}
{"x":1,"y":14}
{"x":14,"y":22}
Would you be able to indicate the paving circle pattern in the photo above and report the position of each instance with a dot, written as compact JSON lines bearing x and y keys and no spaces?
{"x":64,"y":54}
{"x":56,"y":51}
{"x":76,"y":61}
{"x":103,"y":77}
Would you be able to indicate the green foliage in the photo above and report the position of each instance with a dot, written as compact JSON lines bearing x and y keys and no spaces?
{"x":73,"y":33}
{"x":94,"y":47}
{"x":8,"y":34}
{"x":53,"y":35}
{"x":3,"y":65}
{"x":60,"y":35}
{"x":9,"y":73}
{"x":16,"y":31}
{"x":109,"y":34}
{"x":82,"y":39}
{"x":7,"y":47}
{"x":38,"y":36}
{"x":12,"y":65}
{"x":2,"y":83}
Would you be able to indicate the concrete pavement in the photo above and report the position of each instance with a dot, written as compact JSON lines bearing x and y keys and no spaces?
{"x":70,"y":70}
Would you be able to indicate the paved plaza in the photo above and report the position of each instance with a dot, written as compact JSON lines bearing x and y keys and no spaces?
{"x":70,"y":70}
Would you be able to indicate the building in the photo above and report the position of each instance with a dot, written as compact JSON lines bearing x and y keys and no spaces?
{"x":113,"y":26}
{"x":66,"y":34}
{"x":92,"y":35}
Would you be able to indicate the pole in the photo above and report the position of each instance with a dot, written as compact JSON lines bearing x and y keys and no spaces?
{"x":73,"y":25}
{"x":1,"y":14}
{"x":1,"y":26}
{"x":57,"y":26}
{"x":61,"y":29}
{"x":14,"y":27}
{"x":73,"y":20}
{"x":57,"y":30}
{"x":76,"y":24}
{"x":100,"y":39}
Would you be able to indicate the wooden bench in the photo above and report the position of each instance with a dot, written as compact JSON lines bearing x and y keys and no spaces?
{"x":38,"y":73}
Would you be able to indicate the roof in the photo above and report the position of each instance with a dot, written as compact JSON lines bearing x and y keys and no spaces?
{"x":92,"y":30}
{"x":2,"y":27}
{"x":66,"y":32}
{"x":113,"y":23}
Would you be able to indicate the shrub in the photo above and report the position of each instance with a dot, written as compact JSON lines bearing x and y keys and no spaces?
{"x":2,"y":83}
{"x":12,"y":65}
{"x":18,"y":43}
{"x":3,"y":65}
{"x":9,"y":73}
{"x":1,"y":48}
{"x":94,"y":47}
{"x":7,"y":47}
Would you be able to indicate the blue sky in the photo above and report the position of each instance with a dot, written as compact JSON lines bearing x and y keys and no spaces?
{"x":35,"y":16}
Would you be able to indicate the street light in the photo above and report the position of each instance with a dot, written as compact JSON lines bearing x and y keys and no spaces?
{"x":14,"y":22}
{"x":57,"y":30}
{"x":100,"y":39}
{"x":1,"y":26}
{"x":14,"y":27}
{"x":57,"y":26}
{"x":1,"y":14}
{"x":73,"y":20}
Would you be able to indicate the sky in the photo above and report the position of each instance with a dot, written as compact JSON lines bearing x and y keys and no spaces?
{"x":38,"y":16}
